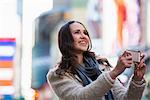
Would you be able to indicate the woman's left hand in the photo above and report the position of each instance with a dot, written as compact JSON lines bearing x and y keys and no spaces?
{"x":140,"y":69}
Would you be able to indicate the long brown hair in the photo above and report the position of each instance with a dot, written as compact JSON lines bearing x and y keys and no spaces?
{"x":65,"y":41}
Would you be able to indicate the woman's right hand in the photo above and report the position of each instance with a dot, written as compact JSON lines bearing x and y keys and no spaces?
{"x":124,"y":61}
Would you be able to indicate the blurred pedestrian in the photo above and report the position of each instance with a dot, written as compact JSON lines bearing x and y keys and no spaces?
{"x":94,"y":19}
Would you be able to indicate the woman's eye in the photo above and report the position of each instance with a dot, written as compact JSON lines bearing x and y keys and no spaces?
{"x":77,"y":32}
{"x":85,"y":32}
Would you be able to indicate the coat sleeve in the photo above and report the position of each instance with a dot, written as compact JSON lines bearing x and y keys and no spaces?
{"x":68,"y":88}
{"x":135,"y":89}
{"x":133,"y":92}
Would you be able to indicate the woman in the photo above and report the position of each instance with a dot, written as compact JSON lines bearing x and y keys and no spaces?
{"x":82,"y":76}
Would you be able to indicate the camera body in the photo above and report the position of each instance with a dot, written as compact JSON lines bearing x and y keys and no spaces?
{"x":136,"y":55}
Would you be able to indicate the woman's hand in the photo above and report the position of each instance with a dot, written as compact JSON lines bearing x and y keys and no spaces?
{"x":140,"y":69}
{"x":124,"y":61}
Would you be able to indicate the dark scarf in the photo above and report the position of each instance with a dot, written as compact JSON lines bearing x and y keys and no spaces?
{"x":89,"y":72}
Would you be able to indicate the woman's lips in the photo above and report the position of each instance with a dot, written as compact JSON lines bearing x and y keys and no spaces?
{"x":83,"y":42}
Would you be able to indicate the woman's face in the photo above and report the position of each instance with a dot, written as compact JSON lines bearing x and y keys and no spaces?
{"x":81,"y":39}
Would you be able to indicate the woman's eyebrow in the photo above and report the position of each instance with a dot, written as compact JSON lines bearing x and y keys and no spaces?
{"x":76,"y":30}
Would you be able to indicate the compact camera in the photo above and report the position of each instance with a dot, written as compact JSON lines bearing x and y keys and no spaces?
{"x":136,"y":55}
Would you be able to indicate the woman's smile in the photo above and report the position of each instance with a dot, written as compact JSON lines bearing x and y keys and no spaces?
{"x":83,"y":42}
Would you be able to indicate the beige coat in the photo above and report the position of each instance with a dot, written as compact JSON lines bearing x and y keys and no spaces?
{"x":69,"y":87}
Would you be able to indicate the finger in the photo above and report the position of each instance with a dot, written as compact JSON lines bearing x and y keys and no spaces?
{"x":142,"y":54}
{"x":126,"y":59}
{"x":129,"y":57}
{"x":142,"y":66}
{"x":127,"y":53}
{"x":141,"y":63}
{"x":129,"y":60}
{"x":142,"y":57}
{"x":128,"y":64}
{"x":140,"y":71}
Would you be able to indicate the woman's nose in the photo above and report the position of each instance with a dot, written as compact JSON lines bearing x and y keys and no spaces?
{"x":82,"y":35}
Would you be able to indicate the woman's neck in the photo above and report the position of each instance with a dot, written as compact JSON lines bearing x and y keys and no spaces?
{"x":80,"y":58}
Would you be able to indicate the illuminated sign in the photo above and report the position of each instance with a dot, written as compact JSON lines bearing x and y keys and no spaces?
{"x":7,"y":53}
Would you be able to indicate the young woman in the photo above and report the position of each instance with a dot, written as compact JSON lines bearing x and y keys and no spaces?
{"x":82,"y":76}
